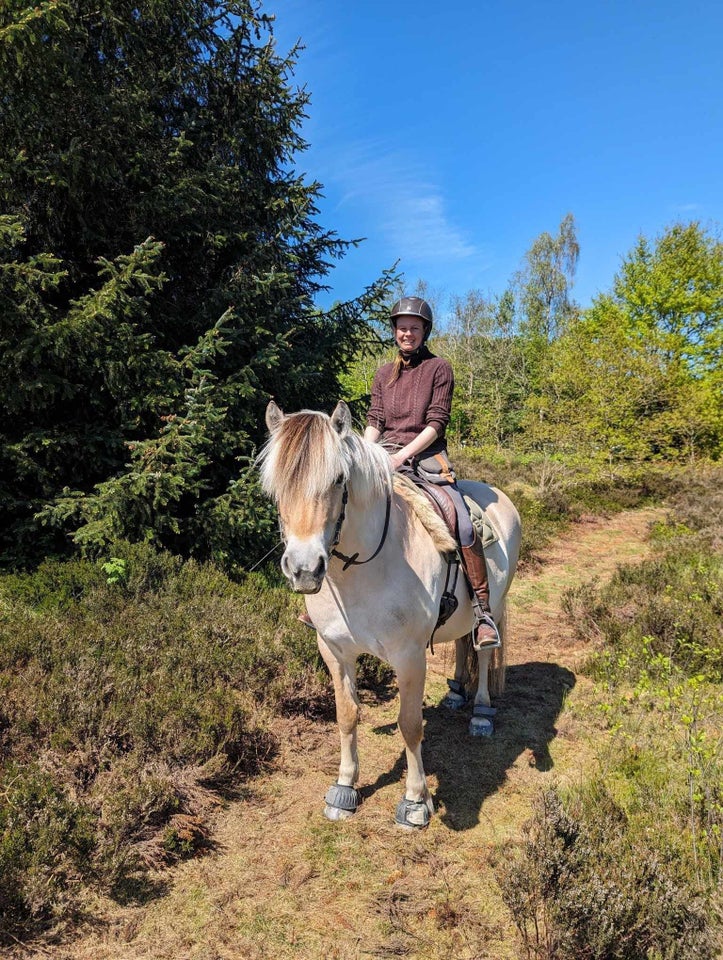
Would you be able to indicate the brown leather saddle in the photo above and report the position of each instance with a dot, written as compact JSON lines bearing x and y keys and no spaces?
{"x":442,"y":503}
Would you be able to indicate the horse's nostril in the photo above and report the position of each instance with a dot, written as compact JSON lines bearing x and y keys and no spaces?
{"x":320,"y":568}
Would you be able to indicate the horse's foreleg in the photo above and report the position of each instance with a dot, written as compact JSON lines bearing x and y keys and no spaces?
{"x":342,"y":799}
{"x":415,"y":809}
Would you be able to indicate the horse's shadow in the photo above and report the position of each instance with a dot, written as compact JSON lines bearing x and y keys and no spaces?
{"x":471,"y":769}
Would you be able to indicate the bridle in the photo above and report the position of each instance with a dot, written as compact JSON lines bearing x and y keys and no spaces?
{"x":353,"y":559}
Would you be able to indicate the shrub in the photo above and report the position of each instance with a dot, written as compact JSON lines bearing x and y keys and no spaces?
{"x":143,"y":692}
{"x":583,"y":885}
{"x":670,"y":606}
{"x":46,"y":841}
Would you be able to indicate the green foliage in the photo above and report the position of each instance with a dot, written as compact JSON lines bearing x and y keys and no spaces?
{"x":669,"y":606}
{"x":639,"y":376}
{"x":159,"y":259}
{"x":658,"y":652}
{"x":490,"y":372}
{"x":551,"y":492}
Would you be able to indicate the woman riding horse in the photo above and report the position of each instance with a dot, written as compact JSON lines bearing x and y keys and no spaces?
{"x":374,"y":561}
{"x":410,"y":409}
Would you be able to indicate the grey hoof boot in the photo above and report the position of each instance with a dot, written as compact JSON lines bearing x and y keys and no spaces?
{"x":481,"y":723}
{"x":412,"y":814}
{"x":456,"y":697}
{"x":341,"y":802}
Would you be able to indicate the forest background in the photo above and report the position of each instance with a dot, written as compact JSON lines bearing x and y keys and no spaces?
{"x":159,"y":263}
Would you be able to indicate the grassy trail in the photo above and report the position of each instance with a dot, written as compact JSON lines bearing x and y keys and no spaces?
{"x":282,"y":882}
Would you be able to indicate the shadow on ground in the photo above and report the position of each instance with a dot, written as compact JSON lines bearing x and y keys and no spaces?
{"x":471,"y":769}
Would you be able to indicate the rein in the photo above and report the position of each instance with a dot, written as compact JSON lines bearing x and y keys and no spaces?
{"x":353,"y":559}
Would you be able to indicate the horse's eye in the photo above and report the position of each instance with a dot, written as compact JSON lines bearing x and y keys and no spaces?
{"x":339,"y":480}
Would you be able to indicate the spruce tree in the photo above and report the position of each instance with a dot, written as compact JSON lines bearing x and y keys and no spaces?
{"x":160,"y":257}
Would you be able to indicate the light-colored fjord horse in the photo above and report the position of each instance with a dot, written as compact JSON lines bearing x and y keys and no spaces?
{"x":371,"y":556}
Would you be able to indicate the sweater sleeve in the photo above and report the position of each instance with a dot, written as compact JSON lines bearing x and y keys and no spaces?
{"x":440,"y":407}
{"x":375,"y":414}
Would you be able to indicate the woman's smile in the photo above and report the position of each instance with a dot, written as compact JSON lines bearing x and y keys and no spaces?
{"x":409,"y":334}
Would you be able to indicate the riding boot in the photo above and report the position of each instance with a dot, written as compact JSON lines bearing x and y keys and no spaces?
{"x":486,"y":634}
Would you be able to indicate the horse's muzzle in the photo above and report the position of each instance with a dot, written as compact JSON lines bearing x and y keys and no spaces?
{"x":301,"y":578}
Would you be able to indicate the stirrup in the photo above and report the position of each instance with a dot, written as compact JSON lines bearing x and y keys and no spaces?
{"x":491,"y":643}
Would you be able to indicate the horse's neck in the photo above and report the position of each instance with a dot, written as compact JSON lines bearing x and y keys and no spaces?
{"x":405,"y":542}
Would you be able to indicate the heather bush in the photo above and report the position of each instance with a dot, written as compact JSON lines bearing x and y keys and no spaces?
{"x":46,"y":843}
{"x":629,"y":864}
{"x":135,"y":688}
{"x":585,"y":884}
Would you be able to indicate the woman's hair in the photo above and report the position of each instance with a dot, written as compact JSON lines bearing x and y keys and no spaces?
{"x":399,"y":361}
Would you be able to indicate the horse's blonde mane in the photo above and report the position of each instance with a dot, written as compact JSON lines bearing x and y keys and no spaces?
{"x":305,"y":455}
{"x":427,"y":515}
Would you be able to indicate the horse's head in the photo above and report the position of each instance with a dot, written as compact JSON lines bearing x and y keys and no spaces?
{"x":305,"y":467}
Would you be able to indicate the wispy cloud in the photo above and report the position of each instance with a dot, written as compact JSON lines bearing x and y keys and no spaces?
{"x":401,"y":201}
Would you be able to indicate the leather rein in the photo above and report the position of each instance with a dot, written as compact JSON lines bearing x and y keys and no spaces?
{"x":353,"y":559}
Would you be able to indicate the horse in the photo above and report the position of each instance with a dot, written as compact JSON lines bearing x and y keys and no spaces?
{"x":372,"y":558}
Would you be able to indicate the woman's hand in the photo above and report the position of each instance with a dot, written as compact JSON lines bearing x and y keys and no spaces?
{"x":398,"y":459}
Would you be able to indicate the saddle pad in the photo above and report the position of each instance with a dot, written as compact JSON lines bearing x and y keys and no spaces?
{"x":480,"y":522}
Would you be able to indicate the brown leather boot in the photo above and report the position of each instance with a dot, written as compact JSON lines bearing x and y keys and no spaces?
{"x":486,"y":633}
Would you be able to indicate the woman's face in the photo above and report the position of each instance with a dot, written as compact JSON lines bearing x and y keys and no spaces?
{"x":409,"y":333}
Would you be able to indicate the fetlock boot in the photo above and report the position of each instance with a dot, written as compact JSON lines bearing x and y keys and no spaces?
{"x":486,"y":634}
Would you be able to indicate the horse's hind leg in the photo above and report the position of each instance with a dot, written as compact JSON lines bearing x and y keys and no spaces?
{"x":342,"y":799}
{"x":457,"y":695}
{"x":491,"y":677}
{"x":416,"y":807}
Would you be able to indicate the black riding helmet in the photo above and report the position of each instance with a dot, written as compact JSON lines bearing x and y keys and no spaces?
{"x":415,"y":307}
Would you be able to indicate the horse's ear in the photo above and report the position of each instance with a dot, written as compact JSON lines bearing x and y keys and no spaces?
{"x":274,"y":416}
{"x":341,"y":419}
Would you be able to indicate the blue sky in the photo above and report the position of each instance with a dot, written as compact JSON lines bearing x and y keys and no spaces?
{"x":451,"y":135}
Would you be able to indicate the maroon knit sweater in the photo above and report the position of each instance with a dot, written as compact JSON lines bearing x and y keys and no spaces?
{"x":421,"y":397}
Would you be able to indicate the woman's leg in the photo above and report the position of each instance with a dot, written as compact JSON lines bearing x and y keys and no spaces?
{"x":486,"y":633}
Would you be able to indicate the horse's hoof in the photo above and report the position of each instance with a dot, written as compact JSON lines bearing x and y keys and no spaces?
{"x":336,"y":813}
{"x":457,"y":696}
{"x":412,"y":814}
{"x":481,"y":727}
{"x":341,"y":802}
{"x":453,"y":701}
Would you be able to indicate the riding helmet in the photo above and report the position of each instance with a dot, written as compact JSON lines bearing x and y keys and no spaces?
{"x":415,"y":307}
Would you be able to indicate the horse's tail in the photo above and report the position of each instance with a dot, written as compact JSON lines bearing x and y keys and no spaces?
{"x":498,"y":661}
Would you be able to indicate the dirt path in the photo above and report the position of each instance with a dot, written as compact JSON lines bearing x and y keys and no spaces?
{"x":283,"y":883}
